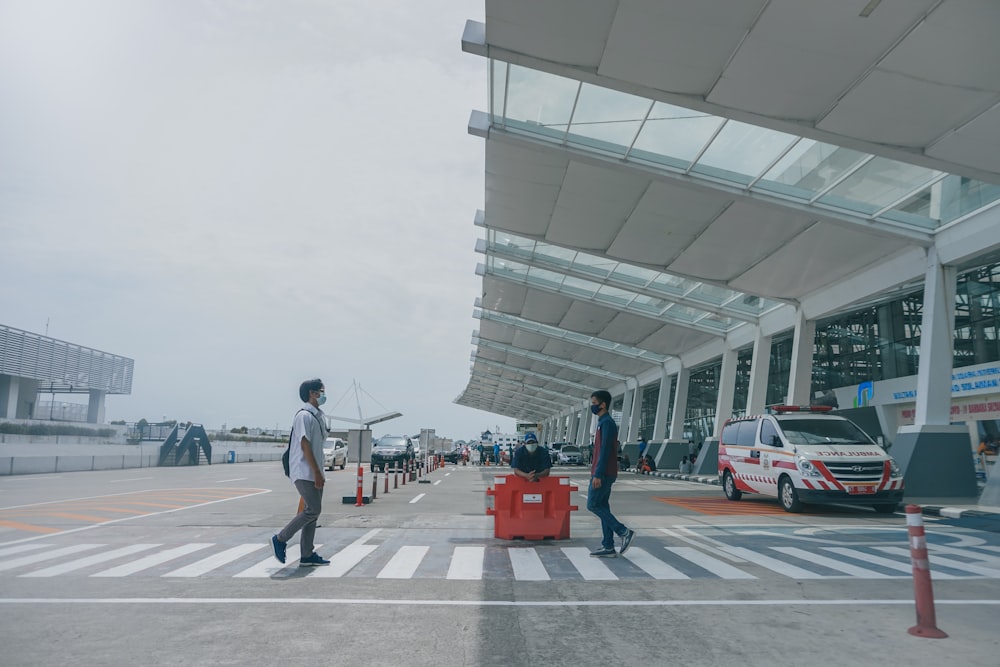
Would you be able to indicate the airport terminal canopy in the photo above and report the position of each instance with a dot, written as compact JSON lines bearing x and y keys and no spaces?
{"x":666,"y":180}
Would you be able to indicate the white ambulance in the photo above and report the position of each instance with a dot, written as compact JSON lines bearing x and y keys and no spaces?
{"x":802,"y":455}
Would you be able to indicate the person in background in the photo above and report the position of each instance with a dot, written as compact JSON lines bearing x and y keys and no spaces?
{"x":531,"y":462}
{"x":685,"y":467}
{"x":603,"y":473}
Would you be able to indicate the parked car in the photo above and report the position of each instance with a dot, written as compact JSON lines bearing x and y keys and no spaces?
{"x":334,"y":453}
{"x":453,"y":456}
{"x":570,"y":455}
{"x":391,"y":450}
{"x":554,"y":450}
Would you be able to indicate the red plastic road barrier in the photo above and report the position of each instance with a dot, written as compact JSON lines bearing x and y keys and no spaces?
{"x":922,"y":591}
{"x":361,"y":490}
{"x":531,"y":510}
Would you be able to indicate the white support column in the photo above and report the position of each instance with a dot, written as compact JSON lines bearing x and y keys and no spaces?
{"x":574,"y":417}
{"x":9,"y":392}
{"x":680,"y":405}
{"x":800,"y":374}
{"x":759,"y":367}
{"x":727,"y":390}
{"x":95,"y":407}
{"x":583,"y":432}
{"x":937,"y":340}
{"x":627,"y":401}
{"x":662,"y":408}
{"x":635,"y":416}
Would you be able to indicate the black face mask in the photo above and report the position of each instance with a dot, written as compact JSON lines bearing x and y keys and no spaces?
{"x":595,"y":409}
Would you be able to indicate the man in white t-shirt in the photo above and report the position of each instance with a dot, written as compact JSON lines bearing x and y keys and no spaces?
{"x":305,"y":469}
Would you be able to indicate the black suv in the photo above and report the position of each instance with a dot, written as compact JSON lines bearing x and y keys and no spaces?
{"x":390,"y":451}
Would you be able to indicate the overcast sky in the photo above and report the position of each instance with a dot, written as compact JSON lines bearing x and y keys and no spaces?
{"x":243,"y":195}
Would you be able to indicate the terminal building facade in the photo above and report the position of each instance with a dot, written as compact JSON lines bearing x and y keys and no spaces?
{"x":708,"y":213}
{"x":32,"y":365}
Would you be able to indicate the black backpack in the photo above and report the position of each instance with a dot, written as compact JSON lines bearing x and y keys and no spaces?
{"x":288,"y":449}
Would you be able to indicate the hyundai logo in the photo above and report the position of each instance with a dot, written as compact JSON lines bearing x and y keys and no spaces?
{"x":857,"y":468}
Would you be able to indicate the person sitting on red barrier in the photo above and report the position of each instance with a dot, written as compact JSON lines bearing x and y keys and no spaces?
{"x":531,"y":461}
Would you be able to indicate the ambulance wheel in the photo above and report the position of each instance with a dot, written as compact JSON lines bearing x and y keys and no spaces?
{"x":887,"y":508}
{"x":729,"y":486}
{"x":788,"y":496}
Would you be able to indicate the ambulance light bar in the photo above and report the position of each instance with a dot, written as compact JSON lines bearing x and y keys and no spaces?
{"x":800,"y":408}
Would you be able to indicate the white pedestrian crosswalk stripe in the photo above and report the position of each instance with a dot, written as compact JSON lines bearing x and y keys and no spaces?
{"x":936,"y":560}
{"x":214,"y":561}
{"x":87,"y":561}
{"x":404,"y":563}
{"x":899,"y":566}
{"x":650,"y":559}
{"x":151,"y":561}
{"x":21,"y":548}
{"x":270,"y":566}
{"x":46,"y":555}
{"x":589,"y":567}
{"x":831,"y":563}
{"x":653,"y":566}
{"x":527,"y":565}
{"x":773,"y":564}
{"x":467,"y":563}
{"x":717,"y":567}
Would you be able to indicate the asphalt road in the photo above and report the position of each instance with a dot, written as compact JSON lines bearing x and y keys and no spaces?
{"x":172,"y":566}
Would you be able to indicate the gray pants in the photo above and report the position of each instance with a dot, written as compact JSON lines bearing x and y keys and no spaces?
{"x":306,"y":519}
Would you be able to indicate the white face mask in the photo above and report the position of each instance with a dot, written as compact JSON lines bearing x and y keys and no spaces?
{"x":531,"y":447}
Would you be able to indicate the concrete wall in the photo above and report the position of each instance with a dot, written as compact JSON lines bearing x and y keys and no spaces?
{"x":47,"y":457}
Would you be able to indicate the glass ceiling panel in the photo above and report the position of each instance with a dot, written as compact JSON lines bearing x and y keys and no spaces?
{"x":641,"y":286}
{"x":671,"y":138}
{"x":544,"y":101}
{"x":742,"y":151}
{"x":606,"y":119}
{"x":878,"y":184}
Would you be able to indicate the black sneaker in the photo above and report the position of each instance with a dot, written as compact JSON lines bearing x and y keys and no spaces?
{"x":604,"y":553}
{"x":279,"y":548}
{"x":626,"y":540}
{"x":314,"y":559}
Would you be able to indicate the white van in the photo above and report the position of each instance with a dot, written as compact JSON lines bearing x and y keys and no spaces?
{"x":801,"y":455}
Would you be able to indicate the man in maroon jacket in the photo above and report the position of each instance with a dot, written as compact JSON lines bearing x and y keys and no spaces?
{"x":603,"y":473}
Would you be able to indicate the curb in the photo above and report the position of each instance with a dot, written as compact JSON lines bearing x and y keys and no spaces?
{"x":926,"y":510}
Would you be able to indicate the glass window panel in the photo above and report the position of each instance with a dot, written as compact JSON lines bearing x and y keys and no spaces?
{"x":674,"y":136}
{"x":879,"y":183}
{"x":499,"y":85}
{"x":598,"y":266}
{"x":610,"y":117}
{"x":650,"y":304}
{"x":578,"y":286}
{"x":672,"y":284}
{"x":545,"y":275}
{"x":681,"y":312}
{"x":555,"y":253}
{"x":635,"y":275}
{"x":718,"y":322}
{"x":961,"y":195}
{"x":539,"y":99}
{"x":712,"y":293}
{"x":742,"y":151}
{"x":809,"y":167}
{"x":615,"y":295}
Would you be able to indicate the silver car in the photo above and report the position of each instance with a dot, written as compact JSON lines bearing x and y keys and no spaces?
{"x":334,"y":453}
{"x":570,"y":455}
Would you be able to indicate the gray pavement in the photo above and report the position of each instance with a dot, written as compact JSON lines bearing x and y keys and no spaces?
{"x":179,"y":572}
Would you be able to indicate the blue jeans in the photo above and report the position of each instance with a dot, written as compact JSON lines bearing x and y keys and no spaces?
{"x":598,"y":502}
